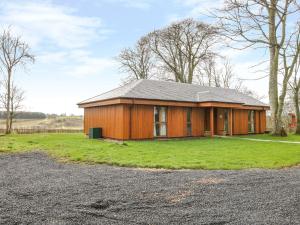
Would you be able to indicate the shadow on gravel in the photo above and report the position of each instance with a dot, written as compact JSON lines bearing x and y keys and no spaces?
{"x":34,"y":189}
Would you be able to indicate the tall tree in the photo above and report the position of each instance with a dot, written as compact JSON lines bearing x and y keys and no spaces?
{"x":294,"y":85}
{"x":181,"y":47}
{"x":137,"y":61}
{"x":290,"y":65}
{"x":262,"y":24}
{"x":13,"y":53}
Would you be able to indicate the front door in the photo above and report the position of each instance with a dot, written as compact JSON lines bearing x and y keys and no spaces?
{"x":221,"y":118}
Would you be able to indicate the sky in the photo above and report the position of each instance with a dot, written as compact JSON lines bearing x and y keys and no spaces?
{"x":75,"y":44}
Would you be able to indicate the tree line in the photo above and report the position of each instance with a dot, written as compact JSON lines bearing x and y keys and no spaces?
{"x":25,"y":115}
{"x":187,"y":51}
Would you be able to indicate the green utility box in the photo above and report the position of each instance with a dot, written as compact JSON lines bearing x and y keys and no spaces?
{"x":95,"y":133}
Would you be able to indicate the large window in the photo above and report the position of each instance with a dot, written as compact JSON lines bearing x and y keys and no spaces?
{"x":251,"y":121}
{"x":226,"y":125}
{"x":189,"y":121}
{"x":160,"y":121}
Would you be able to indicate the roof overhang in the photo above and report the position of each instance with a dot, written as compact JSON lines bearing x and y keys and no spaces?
{"x":135,"y":101}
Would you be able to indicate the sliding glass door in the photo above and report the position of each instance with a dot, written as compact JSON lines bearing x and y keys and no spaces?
{"x":251,"y":119}
{"x":160,"y":121}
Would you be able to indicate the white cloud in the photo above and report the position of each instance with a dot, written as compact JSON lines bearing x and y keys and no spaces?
{"x":199,"y":8}
{"x":77,"y":63}
{"x":43,"y":23}
{"x":60,"y":39}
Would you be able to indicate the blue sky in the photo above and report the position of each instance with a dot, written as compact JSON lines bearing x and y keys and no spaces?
{"x":75,"y":43}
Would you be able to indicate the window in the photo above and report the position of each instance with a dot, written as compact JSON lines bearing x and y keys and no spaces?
{"x":226,"y":120}
{"x":188,"y":121}
{"x":250,"y":121}
{"x":160,"y":121}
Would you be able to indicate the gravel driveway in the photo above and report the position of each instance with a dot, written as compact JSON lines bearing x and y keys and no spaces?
{"x":35,"y":189}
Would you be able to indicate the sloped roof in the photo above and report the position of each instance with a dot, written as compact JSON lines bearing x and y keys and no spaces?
{"x":172,"y":91}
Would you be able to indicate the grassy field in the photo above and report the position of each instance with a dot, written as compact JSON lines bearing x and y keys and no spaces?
{"x":204,"y":153}
{"x":61,"y":122}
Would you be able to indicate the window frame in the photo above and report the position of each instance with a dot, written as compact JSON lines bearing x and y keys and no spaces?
{"x":160,"y":123}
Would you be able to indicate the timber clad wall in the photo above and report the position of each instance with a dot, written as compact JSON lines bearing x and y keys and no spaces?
{"x":176,"y":122}
{"x":263,"y":122}
{"x":240,"y":121}
{"x":124,"y":121}
{"x":140,"y":124}
{"x":197,"y":122}
{"x":109,"y":118}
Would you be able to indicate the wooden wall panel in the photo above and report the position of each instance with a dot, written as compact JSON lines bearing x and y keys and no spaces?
{"x":142,"y":121}
{"x":197,"y":122}
{"x":240,"y":121}
{"x":126,"y":122}
{"x":109,"y":118}
{"x":176,"y":122}
{"x":260,"y":122}
{"x":263,"y":122}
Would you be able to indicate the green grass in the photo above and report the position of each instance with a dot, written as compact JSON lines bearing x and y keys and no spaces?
{"x":290,"y":137}
{"x":204,"y":153}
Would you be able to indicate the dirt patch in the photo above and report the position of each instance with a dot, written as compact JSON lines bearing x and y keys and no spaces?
{"x":179,"y":197}
{"x":209,"y":180}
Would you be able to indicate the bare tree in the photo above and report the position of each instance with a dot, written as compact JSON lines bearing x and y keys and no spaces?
{"x":261,"y":24}
{"x":290,"y":66}
{"x":181,"y":47}
{"x":137,"y":61}
{"x":218,"y":74}
{"x":13,"y":53}
{"x":294,"y":85}
{"x":16,"y":100}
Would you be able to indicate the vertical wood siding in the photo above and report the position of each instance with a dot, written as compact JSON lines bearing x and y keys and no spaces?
{"x":176,"y":122}
{"x":142,"y":121}
{"x":109,"y":118}
{"x":197,"y":122}
{"x":240,"y":121}
{"x":263,"y":121}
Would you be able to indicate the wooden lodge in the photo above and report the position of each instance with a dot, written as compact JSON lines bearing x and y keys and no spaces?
{"x":148,"y":109}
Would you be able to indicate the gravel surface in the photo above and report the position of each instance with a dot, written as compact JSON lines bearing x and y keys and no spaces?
{"x":35,"y":189}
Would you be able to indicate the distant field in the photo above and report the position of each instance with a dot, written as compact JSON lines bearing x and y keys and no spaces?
{"x":67,"y":122}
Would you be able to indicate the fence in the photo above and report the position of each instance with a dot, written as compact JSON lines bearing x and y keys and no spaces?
{"x":41,"y":130}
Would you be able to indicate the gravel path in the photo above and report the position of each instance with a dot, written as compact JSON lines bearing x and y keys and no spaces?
{"x":35,"y":189}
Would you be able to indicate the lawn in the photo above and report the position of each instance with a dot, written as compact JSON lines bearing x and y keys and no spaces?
{"x":291,"y":137}
{"x":203,"y":153}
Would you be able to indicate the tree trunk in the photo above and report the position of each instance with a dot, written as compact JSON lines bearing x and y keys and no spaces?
{"x":276,"y":109}
{"x":297,"y":109}
{"x":276,"y":122}
{"x":8,"y":120}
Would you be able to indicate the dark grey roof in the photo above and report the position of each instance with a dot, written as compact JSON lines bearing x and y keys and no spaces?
{"x":172,"y":91}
